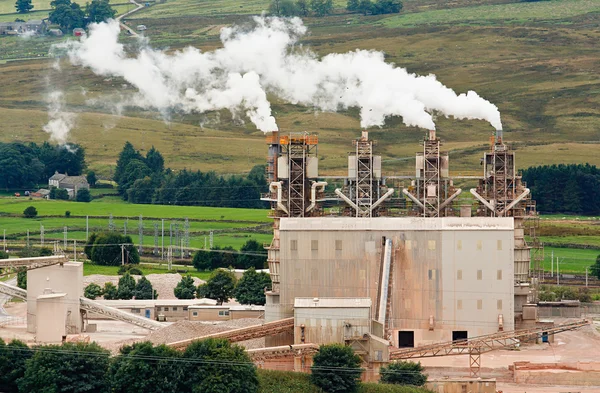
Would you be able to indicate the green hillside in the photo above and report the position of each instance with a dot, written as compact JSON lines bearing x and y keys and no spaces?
{"x":537,"y":61}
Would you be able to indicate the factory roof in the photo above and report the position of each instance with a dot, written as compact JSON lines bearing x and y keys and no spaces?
{"x":247,"y":308}
{"x":332,"y":302}
{"x":397,"y":224}
{"x":157,"y":302}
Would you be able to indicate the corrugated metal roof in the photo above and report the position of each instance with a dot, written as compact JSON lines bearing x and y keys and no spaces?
{"x":158,"y":302}
{"x":332,"y":302}
{"x":396,"y":224}
{"x":247,"y":308}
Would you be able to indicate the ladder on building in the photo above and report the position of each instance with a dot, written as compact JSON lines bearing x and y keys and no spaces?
{"x":477,"y":345}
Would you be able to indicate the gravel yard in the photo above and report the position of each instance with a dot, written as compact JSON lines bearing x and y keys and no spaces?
{"x":163,"y":283}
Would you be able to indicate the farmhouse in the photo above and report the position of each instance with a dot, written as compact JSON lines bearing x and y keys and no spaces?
{"x":14,"y":28}
{"x":71,"y":183}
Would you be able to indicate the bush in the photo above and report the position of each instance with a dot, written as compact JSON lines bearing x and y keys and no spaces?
{"x":92,"y":291}
{"x":144,"y":290}
{"x":327,"y":368}
{"x":83,"y":195}
{"x":22,"y":277}
{"x":110,"y":292}
{"x":68,"y":213}
{"x":59,"y":193}
{"x":131,"y":269}
{"x":185,"y":288}
{"x":3,"y":254}
{"x":126,"y":287}
{"x":30,"y":212}
{"x":403,"y":373}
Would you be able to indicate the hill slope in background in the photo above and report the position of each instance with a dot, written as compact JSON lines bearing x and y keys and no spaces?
{"x":536,"y":61}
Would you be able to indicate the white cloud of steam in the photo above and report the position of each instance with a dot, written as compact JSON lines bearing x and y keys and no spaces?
{"x":265,"y":59}
{"x":60,"y":122}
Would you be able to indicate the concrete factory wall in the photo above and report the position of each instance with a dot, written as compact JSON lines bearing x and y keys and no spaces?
{"x":457,"y":270}
{"x":51,"y":318}
{"x":462,"y":385}
{"x":66,"y":278}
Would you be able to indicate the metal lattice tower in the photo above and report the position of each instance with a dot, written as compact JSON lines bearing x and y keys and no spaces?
{"x":364,"y":177}
{"x":177,"y":240}
{"x":211,"y":239}
{"x":141,"y":235}
{"x":111,"y":223}
{"x":41,"y":234}
{"x":430,"y":193}
{"x":297,"y":183}
{"x":186,"y":233}
{"x":155,"y":238}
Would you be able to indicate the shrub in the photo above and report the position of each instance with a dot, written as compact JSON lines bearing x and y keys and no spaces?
{"x":92,"y":291}
{"x":83,"y":195}
{"x":68,"y":213}
{"x":30,"y":212}
{"x":131,"y":269}
{"x":144,"y":290}
{"x":110,"y":291}
{"x":185,"y":288}
{"x":22,"y":277}
{"x":336,"y":368}
{"x":403,"y":373}
{"x":126,"y":287}
{"x":3,"y":254}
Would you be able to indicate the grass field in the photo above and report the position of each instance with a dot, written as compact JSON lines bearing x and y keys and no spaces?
{"x":89,"y":269}
{"x":571,"y":260}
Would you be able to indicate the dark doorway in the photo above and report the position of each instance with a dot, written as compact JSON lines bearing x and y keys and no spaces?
{"x":406,"y":339}
{"x":545,"y":337}
{"x":458,"y":335}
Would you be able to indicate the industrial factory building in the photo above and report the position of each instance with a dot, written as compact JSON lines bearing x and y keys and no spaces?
{"x":433,"y":269}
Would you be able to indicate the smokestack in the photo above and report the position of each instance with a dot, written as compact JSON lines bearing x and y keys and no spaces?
{"x":432,"y":135}
{"x":365,"y":135}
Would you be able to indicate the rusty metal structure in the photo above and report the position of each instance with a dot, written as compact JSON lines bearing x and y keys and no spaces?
{"x":432,"y":191}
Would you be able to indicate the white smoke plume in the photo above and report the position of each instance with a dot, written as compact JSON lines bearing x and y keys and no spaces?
{"x":267,"y":58}
{"x":60,"y":122}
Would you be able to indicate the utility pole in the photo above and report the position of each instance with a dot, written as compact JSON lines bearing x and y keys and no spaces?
{"x":557,"y":271}
{"x":586,"y":277}
{"x":75,"y":250}
{"x":122,"y":254}
{"x":4,"y":240}
{"x":87,"y":227}
{"x":552,"y":267}
{"x":42,"y":235}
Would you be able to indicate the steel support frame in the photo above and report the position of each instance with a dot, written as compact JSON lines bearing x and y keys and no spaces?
{"x":431,"y":177}
{"x":364,"y":178}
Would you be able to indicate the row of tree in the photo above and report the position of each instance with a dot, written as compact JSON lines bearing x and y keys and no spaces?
{"x":377,"y":7}
{"x":69,"y":15}
{"x":145,"y":180}
{"x":205,"y":366}
{"x":222,"y":286}
{"x":563,"y":188}
{"x":27,"y":165}
{"x":301,"y":7}
{"x":252,"y":254}
{"x":127,"y":289}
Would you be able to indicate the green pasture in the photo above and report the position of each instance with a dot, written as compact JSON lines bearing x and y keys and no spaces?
{"x":89,"y":269}
{"x":488,"y":14}
{"x":120,"y":209}
{"x":571,"y":260}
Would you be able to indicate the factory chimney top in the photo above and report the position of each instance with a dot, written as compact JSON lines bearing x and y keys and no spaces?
{"x":365,"y":135}
{"x":432,"y":135}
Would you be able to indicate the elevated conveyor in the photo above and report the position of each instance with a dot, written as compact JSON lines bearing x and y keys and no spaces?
{"x":13,"y":291}
{"x":33,"y":262}
{"x":243,"y":334}
{"x":283,"y":351}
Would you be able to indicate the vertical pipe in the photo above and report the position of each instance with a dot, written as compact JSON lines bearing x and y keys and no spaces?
{"x":385,"y":281}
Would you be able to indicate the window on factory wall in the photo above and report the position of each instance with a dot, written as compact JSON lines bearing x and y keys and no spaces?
{"x":174,"y":308}
{"x":479,"y":245}
{"x":499,"y":304}
{"x":459,"y":244}
{"x":499,"y":275}
{"x":459,"y":274}
{"x":195,"y":313}
{"x":135,"y":310}
{"x":479,"y":274}
{"x":431,"y":244}
{"x":479,"y":304}
{"x":294,"y":245}
{"x":166,"y":309}
{"x":459,"y":335}
{"x":185,"y":308}
{"x":432,"y":274}
{"x":406,"y":339}
{"x":314,"y":245}
{"x":224,"y":313}
{"x":338,"y":245}
{"x":499,"y":245}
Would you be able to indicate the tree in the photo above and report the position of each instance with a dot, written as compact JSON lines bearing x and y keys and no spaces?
{"x":321,"y":7}
{"x":59,"y":193}
{"x":109,"y":248}
{"x":283,"y":8}
{"x":92,"y":291}
{"x":252,"y":254}
{"x":185,"y":288}
{"x":91,"y":178}
{"x":87,"y":249}
{"x":251,"y":287}
{"x":13,"y":357}
{"x":126,"y":287}
{"x":71,"y":367}
{"x":303,"y":10}
{"x":327,"y":365}
{"x":403,"y":373}
{"x":155,"y":160}
{"x":23,"y":6}
{"x":22,"y":277}
{"x":125,"y":157}
{"x":110,"y":291}
{"x":387,"y":7}
{"x":144,"y":290}
{"x":234,"y":372}
{"x":131,"y":371}
{"x":68,"y":16}
{"x":219,"y":286}
{"x":3,"y":254}
{"x":30,"y":212}
{"x":99,"y":11}
{"x":595,"y":268}
{"x":202,"y":260}
{"x":365,"y":7}
{"x":83,"y":195}
{"x":352,"y":5}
